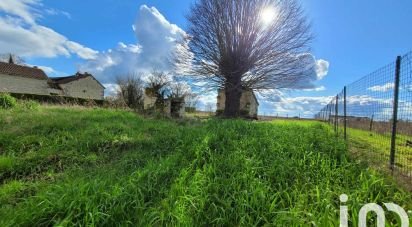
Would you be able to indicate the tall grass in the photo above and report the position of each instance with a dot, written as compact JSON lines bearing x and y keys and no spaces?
{"x":62,"y":166}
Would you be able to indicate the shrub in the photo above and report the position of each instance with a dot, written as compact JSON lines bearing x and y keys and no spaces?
{"x":7,"y":101}
{"x":90,"y":103}
{"x":30,"y":105}
{"x":114,"y":103}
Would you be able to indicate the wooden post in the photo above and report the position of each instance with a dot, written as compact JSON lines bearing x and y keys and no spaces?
{"x":395,"y":112}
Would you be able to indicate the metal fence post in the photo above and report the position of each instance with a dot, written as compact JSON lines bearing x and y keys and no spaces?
{"x":330,"y":113}
{"x":371,"y":123}
{"x":344,"y":112}
{"x":395,"y":112}
{"x":336,"y":114}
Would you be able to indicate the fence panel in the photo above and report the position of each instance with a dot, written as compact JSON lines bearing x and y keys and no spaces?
{"x":403,"y":151}
{"x":363,"y":113}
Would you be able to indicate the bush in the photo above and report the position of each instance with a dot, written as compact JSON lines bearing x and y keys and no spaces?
{"x":90,"y":103}
{"x":30,"y":105}
{"x":7,"y":101}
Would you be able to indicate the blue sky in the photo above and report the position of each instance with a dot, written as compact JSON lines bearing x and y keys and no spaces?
{"x":354,"y":37}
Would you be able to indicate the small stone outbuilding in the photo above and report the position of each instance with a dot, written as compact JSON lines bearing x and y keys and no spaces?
{"x":248,"y":103}
{"x":174,"y":107}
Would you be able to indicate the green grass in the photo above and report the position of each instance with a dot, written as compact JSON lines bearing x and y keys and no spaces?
{"x":376,"y":148}
{"x":61,"y":166}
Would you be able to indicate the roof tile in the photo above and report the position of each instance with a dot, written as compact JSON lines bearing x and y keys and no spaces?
{"x":23,"y":71}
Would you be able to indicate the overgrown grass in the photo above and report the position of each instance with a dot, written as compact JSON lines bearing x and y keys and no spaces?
{"x":61,"y":166}
{"x":376,"y":147}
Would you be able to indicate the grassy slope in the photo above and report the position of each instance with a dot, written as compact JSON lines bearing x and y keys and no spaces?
{"x":106,"y":167}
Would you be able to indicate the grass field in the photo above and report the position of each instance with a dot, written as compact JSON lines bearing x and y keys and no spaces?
{"x":375,"y":148}
{"x":62,"y":166}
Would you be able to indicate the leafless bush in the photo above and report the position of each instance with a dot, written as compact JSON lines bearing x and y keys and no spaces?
{"x":130,"y":90}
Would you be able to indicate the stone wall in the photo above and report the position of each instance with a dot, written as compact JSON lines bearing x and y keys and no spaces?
{"x":85,"y":88}
{"x":148,"y":101}
{"x":23,"y":85}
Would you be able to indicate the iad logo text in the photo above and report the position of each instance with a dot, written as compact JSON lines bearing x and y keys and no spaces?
{"x":372,"y":207}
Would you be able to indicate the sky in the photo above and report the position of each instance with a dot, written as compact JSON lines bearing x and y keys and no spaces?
{"x":110,"y":37}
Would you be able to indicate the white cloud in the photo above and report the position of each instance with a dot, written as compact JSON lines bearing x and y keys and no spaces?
{"x":320,"y":88}
{"x":316,"y":70}
{"x":80,"y":50}
{"x":382,"y":88}
{"x":24,"y":9}
{"x":48,"y":70}
{"x":156,"y":40}
{"x":56,"y":12}
{"x":207,"y":100}
{"x":111,"y":89}
{"x":308,"y":106}
{"x":22,"y":35}
{"x":305,"y":106}
{"x":364,"y":100}
{"x":322,"y":68}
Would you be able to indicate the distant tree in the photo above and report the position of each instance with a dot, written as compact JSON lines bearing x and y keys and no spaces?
{"x":209,"y":107}
{"x":191,"y":101}
{"x":130,"y":90}
{"x":246,"y":44}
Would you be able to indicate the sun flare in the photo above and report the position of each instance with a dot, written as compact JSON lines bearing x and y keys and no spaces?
{"x":267,"y":15}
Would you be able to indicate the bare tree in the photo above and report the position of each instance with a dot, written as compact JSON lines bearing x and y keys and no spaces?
{"x":191,"y":101}
{"x":179,"y":90}
{"x":131,"y":90}
{"x":158,"y":86}
{"x":238,"y":45}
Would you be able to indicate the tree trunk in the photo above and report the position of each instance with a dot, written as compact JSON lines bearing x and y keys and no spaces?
{"x":233,"y":92}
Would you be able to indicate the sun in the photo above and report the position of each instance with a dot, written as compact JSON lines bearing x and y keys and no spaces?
{"x":268,"y":15}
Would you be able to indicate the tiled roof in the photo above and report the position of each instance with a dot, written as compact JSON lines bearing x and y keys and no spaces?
{"x":23,"y":71}
{"x":68,"y":79}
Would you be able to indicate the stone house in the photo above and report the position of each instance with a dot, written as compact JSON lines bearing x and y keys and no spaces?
{"x":25,"y":80}
{"x":82,"y":86}
{"x":248,"y":103}
{"x":17,"y":79}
